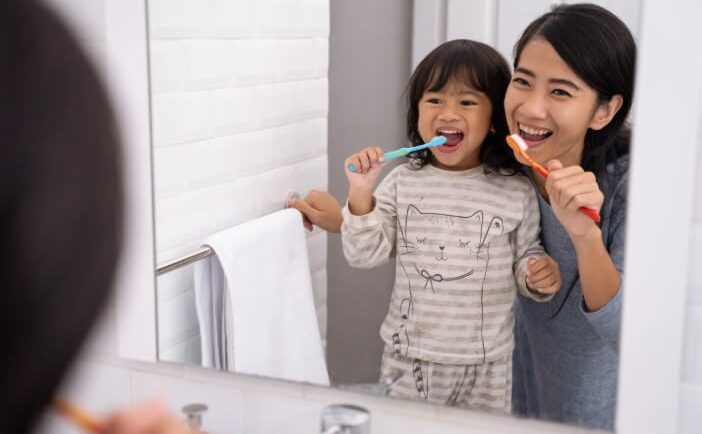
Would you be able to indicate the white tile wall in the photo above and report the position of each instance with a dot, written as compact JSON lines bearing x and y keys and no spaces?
{"x":240,"y":99}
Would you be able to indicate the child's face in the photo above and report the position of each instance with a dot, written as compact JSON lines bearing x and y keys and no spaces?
{"x":463,"y":115}
{"x":549,"y":105}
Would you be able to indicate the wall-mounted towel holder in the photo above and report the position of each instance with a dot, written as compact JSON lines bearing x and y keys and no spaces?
{"x":202,"y":252}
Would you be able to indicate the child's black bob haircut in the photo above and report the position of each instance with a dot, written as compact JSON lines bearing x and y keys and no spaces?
{"x":479,"y":66}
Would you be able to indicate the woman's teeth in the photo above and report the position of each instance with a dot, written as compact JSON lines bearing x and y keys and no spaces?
{"x":533,"y":133}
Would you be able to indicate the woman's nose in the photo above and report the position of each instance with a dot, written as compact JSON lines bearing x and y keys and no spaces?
{"x":534,"y":106}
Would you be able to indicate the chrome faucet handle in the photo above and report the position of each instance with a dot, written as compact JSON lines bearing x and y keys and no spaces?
{"x":345,"y":419}
{"x":193,"y":415}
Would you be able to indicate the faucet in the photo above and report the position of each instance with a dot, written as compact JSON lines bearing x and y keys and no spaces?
{"x":345,"y":419}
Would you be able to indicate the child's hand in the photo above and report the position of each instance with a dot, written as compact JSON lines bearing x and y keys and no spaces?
{"x":368,"y":169}
{"x":543,"y":275}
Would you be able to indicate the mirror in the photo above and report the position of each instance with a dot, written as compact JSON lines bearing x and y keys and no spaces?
{"x":254,"y":100}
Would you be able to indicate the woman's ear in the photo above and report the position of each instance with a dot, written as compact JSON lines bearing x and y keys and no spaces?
{"x":605,"y":112}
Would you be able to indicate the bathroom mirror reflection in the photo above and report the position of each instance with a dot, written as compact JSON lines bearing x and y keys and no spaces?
{"x":253,"y":101}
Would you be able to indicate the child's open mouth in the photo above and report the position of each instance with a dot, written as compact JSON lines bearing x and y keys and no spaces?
{"x":453,"y":139}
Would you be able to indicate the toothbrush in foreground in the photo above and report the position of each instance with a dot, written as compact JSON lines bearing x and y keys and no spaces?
{"x":436,"y":141}
{"x":78,"y":416}
{"x":517,"y":144}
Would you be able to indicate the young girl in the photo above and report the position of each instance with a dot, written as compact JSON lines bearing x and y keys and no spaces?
{"x":464,"y":233}
{"x":569,"y":97}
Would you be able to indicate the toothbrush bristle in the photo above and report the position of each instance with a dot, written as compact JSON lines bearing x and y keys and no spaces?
{"x":438,"y":140}
{"x":517,"y":140}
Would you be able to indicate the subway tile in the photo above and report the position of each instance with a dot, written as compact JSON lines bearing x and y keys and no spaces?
{"x":313,"y":18}
{"x":272,"y":189}
{"x":236,"y":110}
{"x":177,"y":320}
{"x":168,"y":171}
{"x":298,"y":58}
{"x":181,"y":219}
{"x":692,"y":349}
{"x":226,"y":405}
{"x":206,"y":64}
{"x":695,"y":266}
{"x":312,"y":98}
{"x":205,"y":164}
{"x":322,"y":57}
{"x":690,"y":405}
{"x":254,"y":61}
{"x":173,"y":353}
{"x":301,"y":140}
{"x":317,"y":251}
{"x":278,"y":104}
{"x":312,"y":174}
{"x":178,"y":18}
{"x":232,"y":203}
{"x":166,"y":65}
{"x":253,"y":153}
{"x":181,"y":117}
{"x":232,"y":18}
{"x":175,"y":282}
{"x":273,"y":17}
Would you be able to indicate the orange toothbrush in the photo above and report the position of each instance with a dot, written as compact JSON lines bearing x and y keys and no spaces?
{"x":78,"y":416}
{"x":517,"y":144}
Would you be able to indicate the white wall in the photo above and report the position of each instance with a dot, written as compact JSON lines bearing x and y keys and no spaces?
{"x":240,"y":101}
{"x":691,"y":387}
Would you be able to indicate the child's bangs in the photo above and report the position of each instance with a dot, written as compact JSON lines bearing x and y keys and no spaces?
{"x":461,"y":72}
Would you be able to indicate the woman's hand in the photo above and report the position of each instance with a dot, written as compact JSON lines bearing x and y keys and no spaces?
{"x":148,"y":418}
{"x":568,"y":189}
{"x":321,"y":209}
{"x":543,"y":275}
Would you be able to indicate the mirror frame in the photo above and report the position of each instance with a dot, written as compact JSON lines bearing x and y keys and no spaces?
{"x":636,"y":411}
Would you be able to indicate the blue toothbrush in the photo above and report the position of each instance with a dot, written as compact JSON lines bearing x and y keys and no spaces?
{"x":436,"y":141}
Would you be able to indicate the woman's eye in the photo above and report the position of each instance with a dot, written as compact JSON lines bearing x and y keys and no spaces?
{"x":520,"y":81}
{"x":560,"y":92}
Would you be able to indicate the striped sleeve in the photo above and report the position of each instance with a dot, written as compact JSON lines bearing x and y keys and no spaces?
{"x":526,"y":244}
{"x":369,"y":240}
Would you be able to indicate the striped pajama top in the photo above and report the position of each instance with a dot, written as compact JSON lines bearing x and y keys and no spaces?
{"x":461,"y":240}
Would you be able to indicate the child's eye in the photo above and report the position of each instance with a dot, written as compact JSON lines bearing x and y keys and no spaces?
{"x":468,"y":102}
{"x":432,"y":100}
{"x":560,"y":92}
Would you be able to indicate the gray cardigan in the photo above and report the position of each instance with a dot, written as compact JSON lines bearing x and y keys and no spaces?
{"x":566,"y":358}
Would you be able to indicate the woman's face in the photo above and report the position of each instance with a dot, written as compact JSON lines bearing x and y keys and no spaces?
{"x":549,"y":105}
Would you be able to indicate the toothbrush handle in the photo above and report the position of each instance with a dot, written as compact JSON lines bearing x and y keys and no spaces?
{"x":388,"y":156}
{"x":594,"y":215}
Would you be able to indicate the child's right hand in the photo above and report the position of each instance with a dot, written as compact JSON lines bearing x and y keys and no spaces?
{"x":368,"y":169}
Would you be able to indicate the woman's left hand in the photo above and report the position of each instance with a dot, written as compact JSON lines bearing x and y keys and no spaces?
{"x":568,"y":189}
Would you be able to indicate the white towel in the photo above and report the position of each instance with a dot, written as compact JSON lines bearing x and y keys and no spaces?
{"x":255,"y":304}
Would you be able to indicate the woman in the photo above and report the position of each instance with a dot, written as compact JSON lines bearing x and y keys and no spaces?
{"x":569,"y":97}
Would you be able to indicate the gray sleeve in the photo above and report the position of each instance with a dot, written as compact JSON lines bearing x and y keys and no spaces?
{"x":607,"y":320}
{"x":369,"y":240}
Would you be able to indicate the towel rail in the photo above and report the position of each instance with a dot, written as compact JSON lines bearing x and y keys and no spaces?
{"x":203,"y":252}
{"x":183,"y":261}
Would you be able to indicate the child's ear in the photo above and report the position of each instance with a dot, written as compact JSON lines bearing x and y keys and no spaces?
{"x":605,"y":112}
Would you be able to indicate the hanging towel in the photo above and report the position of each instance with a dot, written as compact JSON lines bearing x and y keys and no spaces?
{"x":255,"y":304}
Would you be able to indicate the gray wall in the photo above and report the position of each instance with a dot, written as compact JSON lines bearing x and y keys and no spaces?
{"x":369,"y":65}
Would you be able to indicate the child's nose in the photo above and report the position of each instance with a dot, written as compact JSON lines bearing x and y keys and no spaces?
{"x":448,"y":113}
